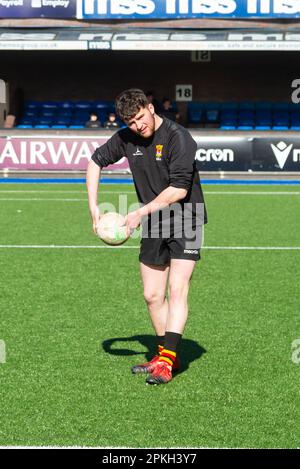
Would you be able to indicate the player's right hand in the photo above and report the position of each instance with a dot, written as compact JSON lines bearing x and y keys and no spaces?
{"x":95,"y":214}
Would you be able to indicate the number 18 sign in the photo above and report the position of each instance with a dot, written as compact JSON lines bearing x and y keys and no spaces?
{"x":184,"y":92}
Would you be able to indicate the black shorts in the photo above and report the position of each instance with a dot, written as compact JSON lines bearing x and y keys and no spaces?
{"x":159,"y":251}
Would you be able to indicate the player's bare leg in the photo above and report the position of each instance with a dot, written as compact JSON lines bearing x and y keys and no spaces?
{"x":155,"y":285}
{"x":179,"y":280}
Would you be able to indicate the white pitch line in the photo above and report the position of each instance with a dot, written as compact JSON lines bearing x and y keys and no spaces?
{"x":133,"y":193}
{"x":11,"y":199}
{"x":233,"y":248}
{"x":55,"y":246}
{"x":65,"y":192}
{"x":251,"y":193}
{"x":62,"y":192}
{"x":254,"y":248}
{"x":45,"y":199}
{"x":42,"y":192}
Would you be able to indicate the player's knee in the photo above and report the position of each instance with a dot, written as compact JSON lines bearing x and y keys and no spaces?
{"x":153,"y":297}
{"x":178,"y":291}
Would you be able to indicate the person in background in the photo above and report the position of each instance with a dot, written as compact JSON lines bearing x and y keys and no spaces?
{"x":93,"y":122}
{"x":111,"y":123}
{"x":10,"y":121}
{"x":168,"y":111}
{"x":152,"y":100}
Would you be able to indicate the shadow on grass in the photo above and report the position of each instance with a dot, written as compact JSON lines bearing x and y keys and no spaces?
{"x":189,"y":350}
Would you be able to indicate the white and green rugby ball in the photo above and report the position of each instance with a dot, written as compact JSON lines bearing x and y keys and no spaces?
{"x":112,"y":229}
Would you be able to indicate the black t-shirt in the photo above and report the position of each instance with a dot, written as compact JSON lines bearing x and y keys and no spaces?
{"x":167,"y":158}
{"x":93,"y":124}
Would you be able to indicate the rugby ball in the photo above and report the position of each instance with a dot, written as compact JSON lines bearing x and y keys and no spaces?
{"x":112,"y":229}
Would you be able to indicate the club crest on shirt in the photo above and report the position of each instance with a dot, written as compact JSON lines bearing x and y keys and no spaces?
{"x":159,"y":149}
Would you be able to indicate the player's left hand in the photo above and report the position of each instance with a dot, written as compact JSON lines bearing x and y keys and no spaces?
{"x":133,"y":221}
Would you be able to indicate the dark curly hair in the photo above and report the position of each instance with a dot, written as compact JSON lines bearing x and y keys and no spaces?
{"x":129,"y":102}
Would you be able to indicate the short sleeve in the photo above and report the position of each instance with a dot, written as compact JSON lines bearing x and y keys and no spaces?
{"x":109,"y":153}
{"x":182,"y":160}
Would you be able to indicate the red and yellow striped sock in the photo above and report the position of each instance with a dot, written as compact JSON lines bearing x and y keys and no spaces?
{"x":160,"y":349}
{"x":167,"y":356}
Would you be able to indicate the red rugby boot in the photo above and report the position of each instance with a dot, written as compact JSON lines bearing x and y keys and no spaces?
{"x":147,"y":367}
{"x":161,"y":374}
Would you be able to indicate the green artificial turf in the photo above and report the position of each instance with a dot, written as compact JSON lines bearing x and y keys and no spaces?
{"x":74,"y":321}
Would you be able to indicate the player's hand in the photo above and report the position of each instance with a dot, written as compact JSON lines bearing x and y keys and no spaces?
{"x":95,"y":214}
{"x":133,"y":221}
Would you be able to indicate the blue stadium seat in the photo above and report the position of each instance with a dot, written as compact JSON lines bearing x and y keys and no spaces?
{"x":62,"y":112}
{"x":45,"y":121}
{"x":23,"y":126}
{"x":195,"y":116}
{"x":103,"y":107}
{"x":81,"y":113}
{"x":229,"y":114}
{"x":263,"y":117}
{"x":173,"y":104}
{"x":47,"y":113}
{"x":62,"y":120}
{"x":59,"y":127}
{"x":262,"y":127}
{"x":27,"y":121}
{"x":245,"y":127}
{"x":295,"y":127}
{"x":32,"y":104}
{"x":111,"y":106}
{"x":49,"y":105}
{"x":79,"y":122}
{"x":31,"y":113}
{"x":195,"y":112}
{"x":281,"y":118}
{"x":295,"y":118}
{"x":229,"y":118}
{"x":212,"y":115}
{"x":76,"y":127}
{"x":83,"y":105}
{"x":228,"y":127}
{"x":101,"y":104}
{"x":280,"y":127}
{"x":65,"y":105}
{"x":246,"y":117}
{"x":39,"y":126}
{"x":229,"y":122}
{"x":212,"y":112}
